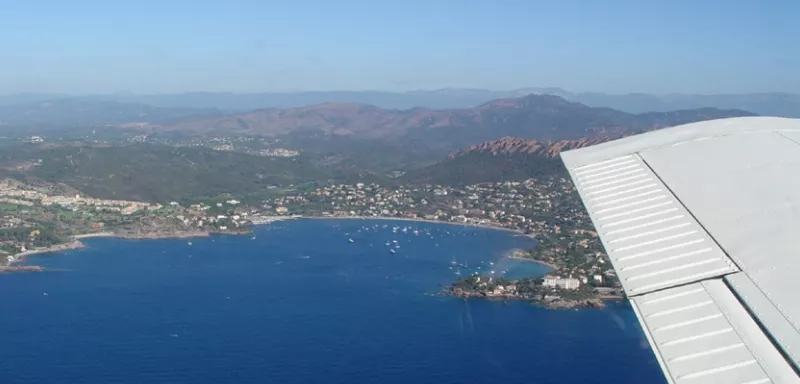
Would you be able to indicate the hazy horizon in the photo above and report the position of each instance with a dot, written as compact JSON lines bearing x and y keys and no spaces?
{"x":533,"y":89}
{"x":249,"y":46}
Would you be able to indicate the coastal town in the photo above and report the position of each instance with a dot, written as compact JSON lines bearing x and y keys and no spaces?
{"x":547,"y":209}
{"x":36,"y":218}
{"x":48,"y":217}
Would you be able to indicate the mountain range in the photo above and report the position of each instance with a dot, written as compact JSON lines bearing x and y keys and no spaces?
{"x":773,"y":104}
{"x":504,"y":139}
{"x":543,"y":117}
{"x":354,"y":138}
{"x":534,"y":116}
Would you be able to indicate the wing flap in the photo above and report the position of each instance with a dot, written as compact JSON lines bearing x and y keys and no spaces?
{"x":702,"y":335}
{"x":651,"y":238}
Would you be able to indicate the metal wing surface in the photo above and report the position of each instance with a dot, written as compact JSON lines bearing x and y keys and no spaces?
{"x":702,"y":224}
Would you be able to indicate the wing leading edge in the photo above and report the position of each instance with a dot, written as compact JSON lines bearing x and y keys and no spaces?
{"x":686,"y":238}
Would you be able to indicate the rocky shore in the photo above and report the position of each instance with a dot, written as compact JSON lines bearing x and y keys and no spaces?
{"x":547,"y":301}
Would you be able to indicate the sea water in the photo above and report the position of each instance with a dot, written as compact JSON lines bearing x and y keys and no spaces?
{"x":298,"y":303}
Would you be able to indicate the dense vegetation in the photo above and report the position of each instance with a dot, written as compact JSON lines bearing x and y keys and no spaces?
{"x":351,"y":153}
{"x":39,"y":236}
{"x":163,"y":173}
{"x":478,"y":167}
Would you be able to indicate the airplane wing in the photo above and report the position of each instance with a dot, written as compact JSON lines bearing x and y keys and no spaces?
{"x":702,"y":225}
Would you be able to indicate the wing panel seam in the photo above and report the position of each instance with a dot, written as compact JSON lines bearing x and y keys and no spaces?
{"x":691,"y":214}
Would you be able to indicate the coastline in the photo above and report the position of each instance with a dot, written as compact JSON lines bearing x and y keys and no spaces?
{"x":388,"y":218}
{"x":161,"y":235}
{"x":20,"y":257}
{"x":75,"y":242}
{"x":96,"y":234}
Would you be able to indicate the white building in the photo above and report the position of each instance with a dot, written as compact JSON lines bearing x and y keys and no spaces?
{"x":560,"y":282}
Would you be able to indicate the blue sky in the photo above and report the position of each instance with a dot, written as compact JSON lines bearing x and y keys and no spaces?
{"x":615,"y":46}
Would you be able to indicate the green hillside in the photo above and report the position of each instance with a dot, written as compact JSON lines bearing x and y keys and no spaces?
{"x":478,"y":167}
{"x":162,"y":173}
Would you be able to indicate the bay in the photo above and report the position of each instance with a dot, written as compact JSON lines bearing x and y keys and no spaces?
{"x":299,"y":303}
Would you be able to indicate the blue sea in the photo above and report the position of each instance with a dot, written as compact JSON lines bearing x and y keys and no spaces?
{"x":299,"y":303}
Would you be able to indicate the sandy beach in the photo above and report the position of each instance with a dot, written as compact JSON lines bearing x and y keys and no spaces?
{"x":90,"y":235}
{"x":520,"y":258}
{"x":157,"y":235}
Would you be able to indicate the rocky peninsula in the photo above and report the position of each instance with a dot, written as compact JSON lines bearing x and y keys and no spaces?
{"x":580,"y":278}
